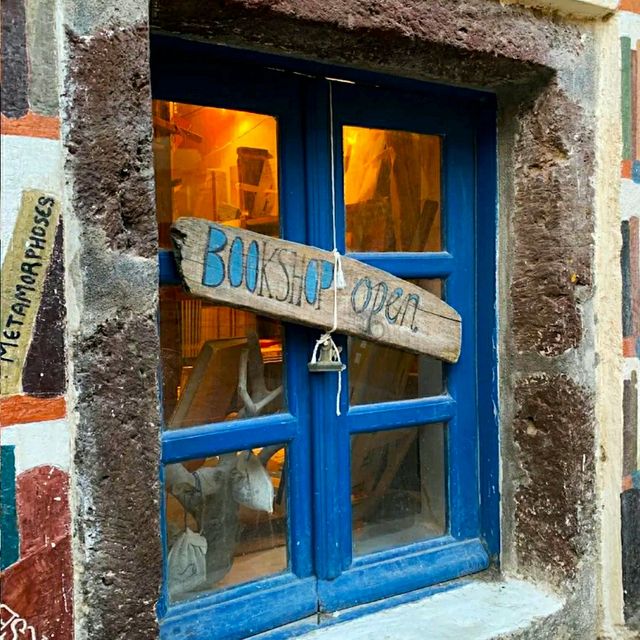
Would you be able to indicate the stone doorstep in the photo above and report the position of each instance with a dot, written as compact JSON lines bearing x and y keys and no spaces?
{"x":475,"y":611}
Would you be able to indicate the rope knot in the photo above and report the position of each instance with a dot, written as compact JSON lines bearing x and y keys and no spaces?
{"x":340,"y":282}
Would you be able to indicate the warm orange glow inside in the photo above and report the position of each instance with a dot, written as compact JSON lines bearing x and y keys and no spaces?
{"x":220,"y":165}
{"x":217,"y":164}
{"x":392,"y":190}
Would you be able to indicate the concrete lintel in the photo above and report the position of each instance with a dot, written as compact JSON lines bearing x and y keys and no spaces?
{"x":589,"y":9}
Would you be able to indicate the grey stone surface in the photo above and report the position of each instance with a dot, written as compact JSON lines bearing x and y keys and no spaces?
{"x":114,"y":342}
{"x":43,"y":57}
{"x":499,"y":610}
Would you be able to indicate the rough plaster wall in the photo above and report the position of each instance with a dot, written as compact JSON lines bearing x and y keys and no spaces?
{"x":112,"y":325}
{"x":608,"y":334}
{"x":542,"y":68}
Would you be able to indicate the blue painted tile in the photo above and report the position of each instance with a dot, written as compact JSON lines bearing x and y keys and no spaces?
{"x":10,"y":549}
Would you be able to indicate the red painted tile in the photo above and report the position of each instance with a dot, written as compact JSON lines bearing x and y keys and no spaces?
{"x":629,"y":346}
{"x":31,"y":125}
{"x":629,"y":5}
{"x":20,"y":409}
{"x":39,"y":589}
{"x":42,"y":497}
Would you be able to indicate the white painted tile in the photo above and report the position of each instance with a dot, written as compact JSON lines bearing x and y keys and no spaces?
{"x":27,"y":163}
{"x":38,"y":443}
{"x":629,"y":25}
{"x":629,"y":199}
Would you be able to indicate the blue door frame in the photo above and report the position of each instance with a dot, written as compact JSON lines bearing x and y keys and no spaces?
{"x":323,"y":575}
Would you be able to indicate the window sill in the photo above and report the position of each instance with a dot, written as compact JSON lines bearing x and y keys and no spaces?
{"x":473,"y":611}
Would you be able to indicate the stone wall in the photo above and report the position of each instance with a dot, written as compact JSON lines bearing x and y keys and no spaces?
{"x":90,"y":151}
{"x":629,"y":28}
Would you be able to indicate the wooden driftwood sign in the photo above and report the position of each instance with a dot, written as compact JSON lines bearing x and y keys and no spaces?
{"x":294,"y":282}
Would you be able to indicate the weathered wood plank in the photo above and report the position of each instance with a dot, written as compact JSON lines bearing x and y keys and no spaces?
{"x":294,"y":282}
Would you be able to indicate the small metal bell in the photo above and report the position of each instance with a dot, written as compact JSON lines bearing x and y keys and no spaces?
{"x":327,"y":359}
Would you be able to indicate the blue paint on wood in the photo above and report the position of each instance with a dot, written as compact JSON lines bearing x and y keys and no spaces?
{"x":396,"y":294}
{"x":487,"y":314}
{"x":236,"y":262}
{"x":163,"y":600}
{"x":404,"y":573}
{"x":276,"y":602}
{"x":299,"y":506}
{"x":222,"y":437}
{"x":168,"y":269}
{"x":10,"y":547}
{"x":253,"y":258}
{"x":330,"y":441}
{"x":214,"y":269}
{"x":438,"y":264}
{"x":327,"y":275}
{"x":400,"y":413}
{"x":311,"y":282}
{"x":635,"y":171}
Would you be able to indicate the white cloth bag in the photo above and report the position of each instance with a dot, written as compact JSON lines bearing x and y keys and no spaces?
{"x":187,"y":563}
{"x":252,"y":485}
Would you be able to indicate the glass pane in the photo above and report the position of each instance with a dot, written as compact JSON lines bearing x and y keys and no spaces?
{"x":218,"y":363}
{"x":392,"y":190}
{"x":398,"y":487}
{"x":217,"y":164}
{"x":382,"y":374}
{"x":226,"y":520}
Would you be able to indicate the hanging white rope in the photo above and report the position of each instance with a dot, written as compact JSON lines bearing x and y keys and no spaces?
{"x":325,"y":346}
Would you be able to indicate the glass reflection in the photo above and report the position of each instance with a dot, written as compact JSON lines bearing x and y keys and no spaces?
{"x":221,"y":165}
{"x":392,"y":190}
{"x":218,"y":363}
{"x":225,"y":520}
{"x":398,"y":487}
{"x":216,"y":164}
{"x":381,"y":374}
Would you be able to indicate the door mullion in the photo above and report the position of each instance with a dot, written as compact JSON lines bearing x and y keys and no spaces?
{"x":331,"y":495}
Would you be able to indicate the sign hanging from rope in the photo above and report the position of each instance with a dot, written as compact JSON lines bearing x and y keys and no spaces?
{"x":295,"y":283}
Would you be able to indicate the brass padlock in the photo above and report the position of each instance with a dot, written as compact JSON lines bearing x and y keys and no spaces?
{"x":327,"y":359}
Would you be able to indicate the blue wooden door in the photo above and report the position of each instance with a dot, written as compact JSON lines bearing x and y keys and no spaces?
{"x":345,"y":580}
{"x":336,"y":558}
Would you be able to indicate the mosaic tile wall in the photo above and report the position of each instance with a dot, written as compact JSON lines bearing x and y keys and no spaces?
{"x":629,"y":26}
{"x":36,"y":575}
